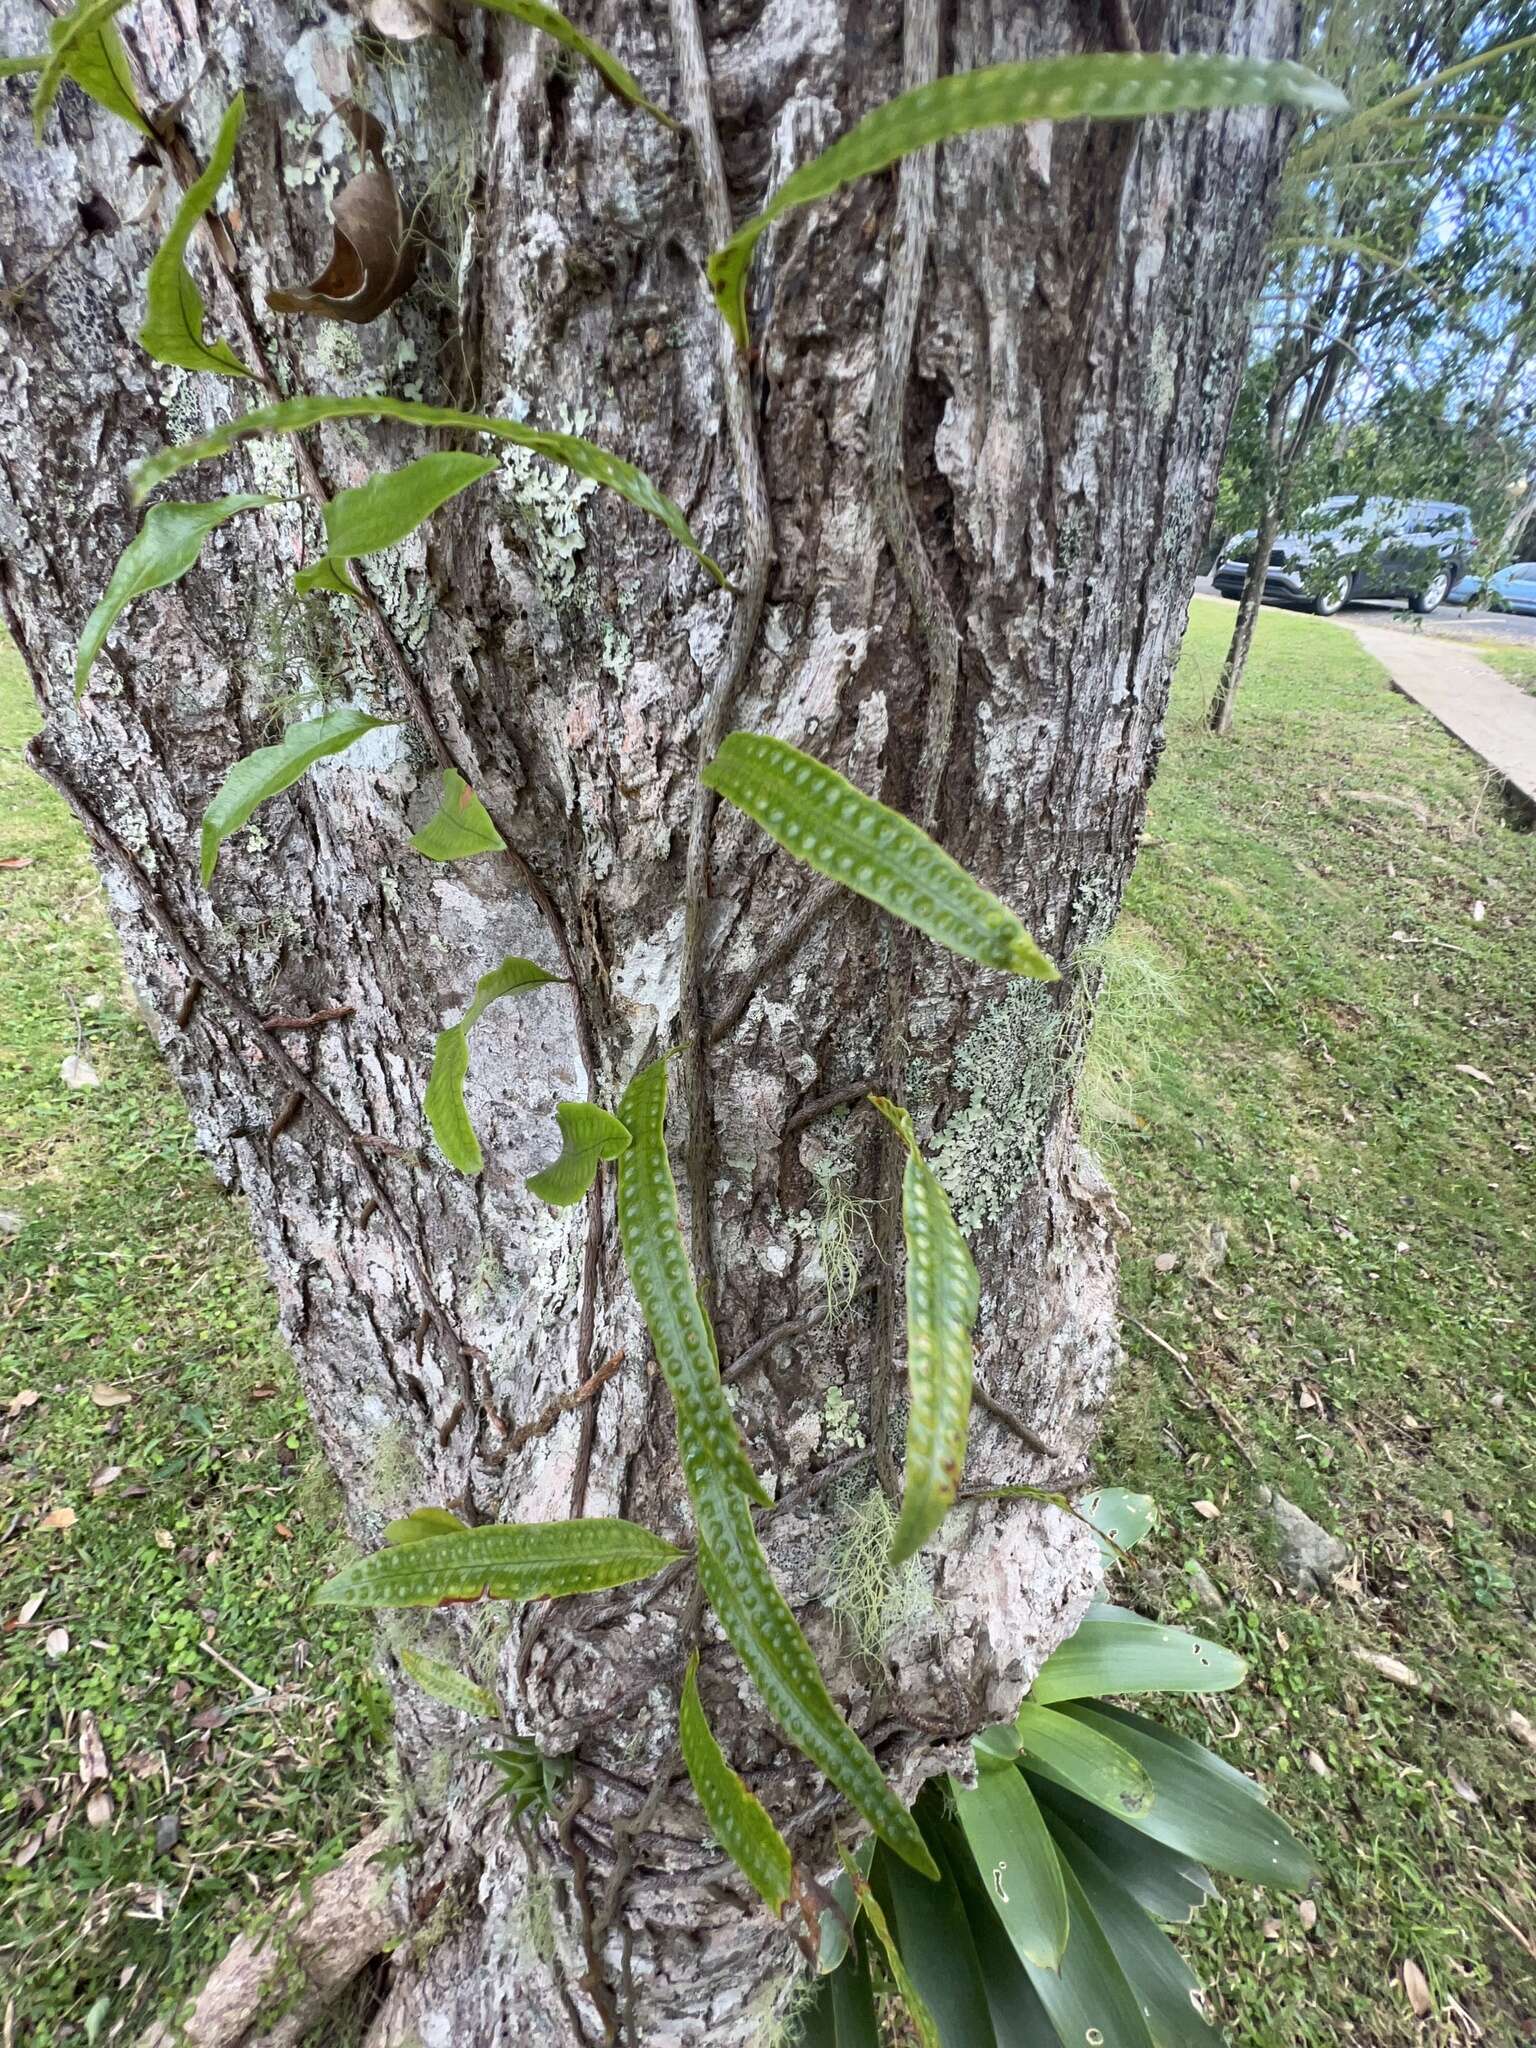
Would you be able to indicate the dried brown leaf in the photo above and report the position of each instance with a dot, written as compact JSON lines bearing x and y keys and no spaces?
{"x":1416,"y":1984}
{"x":93,"y":1751}
{"x":28,"y":1397}
{"x":56,"y":1643}
{"x":110,"y":1397}
{"x":1390,"y":1668}
{"x":58,"y":1518}
{"x":373,"y":254}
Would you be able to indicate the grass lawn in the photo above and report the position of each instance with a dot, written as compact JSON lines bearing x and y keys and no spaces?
{"x":143,"y":1392}
{"x":1312,"y":1076}
{"x":1314,"y":1079}
{"x":1518,"y":663}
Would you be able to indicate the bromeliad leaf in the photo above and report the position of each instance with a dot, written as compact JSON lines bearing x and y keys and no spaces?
{"x":741,"y":1824}
{"x":1086,"y":1759}
{"x":1016,"y":1862}
{"x":293,"y":415}
{"x":270,"y":770}
{"x":1115,"y":1651}
{"x":923,"y":2023}
{"x":721,"y":1482}
{"x":942,"y":1298}
{"x":1120,"y":1519}
{"x":422,"y":1522}
{"x":818,"y":816}
{"x":86,"y":47}
{"x":657,"y":1262}
{"x":442,"y":1682}
{"x":461,"y":827}
{"x":444,"y":1104}
{"x":621,"y":83}
{"x":161,"y":552}
{"x":588,"y":1134}
{"x":173,"y":329}
{"x":510,"y":1561}
{"x":1100,"y":88}
{"x":389,"y":506}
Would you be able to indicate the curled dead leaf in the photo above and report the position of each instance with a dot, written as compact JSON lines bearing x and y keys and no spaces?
{"x":373,"y":254}
{"x":98,"y":1808}
{"x":110,"y":1397}
{"x":1416,"y":1984}
{"x":27,"y":1397}
{"x":1207,"y":1510}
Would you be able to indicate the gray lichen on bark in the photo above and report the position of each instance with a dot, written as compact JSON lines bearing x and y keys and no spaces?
{"x":1079,"y":331}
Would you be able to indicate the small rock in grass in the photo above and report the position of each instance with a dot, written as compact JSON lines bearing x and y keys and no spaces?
{"x":1204,"y":1588}
{"x":167,"y":1833}
{"x":1310,"y":1559}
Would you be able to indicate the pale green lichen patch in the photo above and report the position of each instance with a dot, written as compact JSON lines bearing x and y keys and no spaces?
{"x":1010,"y":1069}
{"x":840,"y":1426}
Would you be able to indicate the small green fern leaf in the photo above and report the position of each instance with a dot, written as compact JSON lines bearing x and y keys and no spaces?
{"x":588,"y":1134}
{"x":270,"y":770}
{"x":173,"y":326}
{"x":461,"y":826}
{"x":742,"y":1825}
{"x":444,"y":1103}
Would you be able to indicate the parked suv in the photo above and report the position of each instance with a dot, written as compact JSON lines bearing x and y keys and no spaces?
{"x":1413,"y":548}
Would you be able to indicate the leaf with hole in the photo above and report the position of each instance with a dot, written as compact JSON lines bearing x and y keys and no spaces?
{"x":86,"y":47}
{"x":508,"y":1561}
{"x":587,"y":1134}
{"x":943,"y":1295}
{"x":1088,"y":1996}
{"x":1171,"y":1887}
{"x":294,"y":415}
{"x":923,"y":2023}
{"x":1016,"y":1863}
{"x":1120,"y":1518}
{"x":389,"y":506}
{"x":270,"y":770}
{"x":621,"y":83}
{"x":740,"y":1823}
{"x":1110,"y":87}
{"x":1115,"y":1651}
{"x":818,"y":816}
{"x":1196,"y":1810}
{"x":173,"y":324}
{"x":441,"y":1682}
{"x":444,"y":1104}
{"x":461,"y":827}
{"x":161,"y":552}
{"x":1086,"y":1760}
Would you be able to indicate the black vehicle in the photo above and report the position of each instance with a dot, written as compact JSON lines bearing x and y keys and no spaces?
{"x":1343,"y":548}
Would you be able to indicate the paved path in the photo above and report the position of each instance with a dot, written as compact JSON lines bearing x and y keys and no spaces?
{"x":1495,"y":718}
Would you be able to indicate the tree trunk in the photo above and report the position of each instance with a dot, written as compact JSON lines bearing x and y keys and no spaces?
{"x":1224,"y":703}
{"x":1079,"y":327}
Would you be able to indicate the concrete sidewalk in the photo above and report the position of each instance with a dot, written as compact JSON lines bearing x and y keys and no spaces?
{"x":1495,"y":718}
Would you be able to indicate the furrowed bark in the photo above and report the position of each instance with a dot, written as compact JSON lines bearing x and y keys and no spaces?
{"x":1075,"y":339}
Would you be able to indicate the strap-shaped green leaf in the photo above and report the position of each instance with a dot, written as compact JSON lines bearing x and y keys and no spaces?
{"x":293,"y":415}
{"x":422,"y":1522}
{"x":1016,"y":1863}
{"x":86,"y":47}
{"x":622,"y":83}
{"x":588,"y":1134}
{"x":721,"y":1482}
{"x":656,"y":1258}
{"x":1100,"y":88}
{"x":742,"y":1825}
{"x":461,"y":826}
{"x":1164,"y":1986}
{"x":1116,"y":1651}
{"x":817,"y":815}
{"x":161,"y":552}
{"x":843,"y":2015}
{"x":442,"y":1682}
{"x":270,"y":770}
{"x":1169,"y":1886}
{"x":943,"y":1295}
{"x":389,"y":506}
{"x":1196,"y":1810}
{"x":923,"y":2023}
{"x":173,"y":326}
{"x":936,"y":1945}
{"x":1088,"y":1997}
{"x":1087,"y":1760}
{"x":510,"y":1561}
{"x":1192,"y":1752}
{"x":444,"y":1103}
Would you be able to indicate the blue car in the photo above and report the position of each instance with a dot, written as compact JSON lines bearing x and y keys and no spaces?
{"x":1511,"y":590}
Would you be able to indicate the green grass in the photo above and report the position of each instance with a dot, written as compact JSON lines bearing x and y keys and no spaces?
{"x":131,"y":1270}
{"x":1280,"y":1081}
{"x":1518,"y":663}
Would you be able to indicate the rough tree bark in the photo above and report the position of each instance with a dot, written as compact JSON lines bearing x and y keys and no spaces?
{"x":1079,"y":325}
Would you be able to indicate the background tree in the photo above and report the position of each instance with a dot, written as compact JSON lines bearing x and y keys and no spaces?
{"x":959,"y":486}
{"x":1399,"y":265}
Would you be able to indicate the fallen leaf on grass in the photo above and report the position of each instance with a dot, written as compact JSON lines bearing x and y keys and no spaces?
{"x":110,"y":1397}
{"x":1521,"y":1729}
{"x":164,"y":1540}
{"x":101,"y":1480}
{"x":1416,"y":1984}
{"x":29,"y":1608}
{"x":58,"y":1518}
{"x":1206,"y":1509}
{"x":1166,"y":1262}
{"x":1389,"y":1667}
{"x":1477,"y":1074}
{"x":77,"y":1072}
{"x":56,"y":1643}
{"x":19,"y":1403}
{"x":1308,"y":1911}
{"x":19,"y":860}
{"x":93,"y":1751}
{"x":26,"y":1852}
{"x":1317,"y":1765}
{"x":98,"y":1808}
